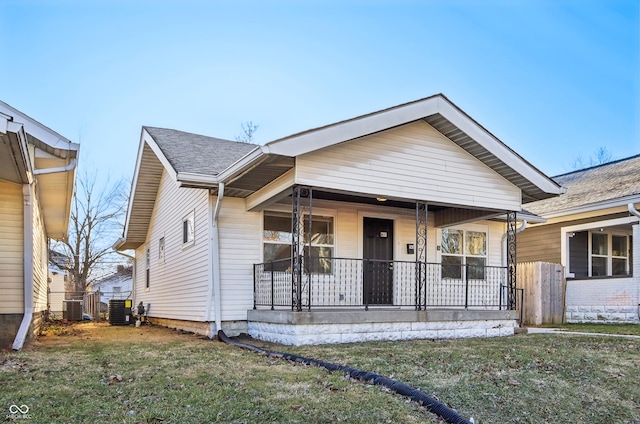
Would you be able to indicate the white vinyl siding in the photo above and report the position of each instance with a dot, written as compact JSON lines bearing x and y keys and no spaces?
{"x":240,"y":235}
{"x":11,"y":248}
{"x":412,"y":161}
{"x":179,"y":284}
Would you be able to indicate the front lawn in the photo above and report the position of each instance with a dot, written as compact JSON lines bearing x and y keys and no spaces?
{"x":96,"y":373}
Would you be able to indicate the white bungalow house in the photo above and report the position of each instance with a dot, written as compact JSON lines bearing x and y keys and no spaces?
{"x":393,"y":225}
{"x":37,"y":168}
{"x":593,"y":231}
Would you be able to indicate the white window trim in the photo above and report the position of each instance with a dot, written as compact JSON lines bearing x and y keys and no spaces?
{"x":566,"y":232}
{"x":609,"y":255}
{"x":478,"y":228}
{"x":162,"y":249}
{"x":316,"y":212}
{"x":191,"y":216}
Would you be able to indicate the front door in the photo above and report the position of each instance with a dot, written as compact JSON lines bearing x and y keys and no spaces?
{"x":377,"y":248}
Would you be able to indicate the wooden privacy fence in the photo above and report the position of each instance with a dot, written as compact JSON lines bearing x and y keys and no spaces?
{"x":544,"y":292}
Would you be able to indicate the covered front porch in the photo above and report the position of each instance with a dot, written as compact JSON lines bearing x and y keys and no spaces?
{"x":303,"y":294}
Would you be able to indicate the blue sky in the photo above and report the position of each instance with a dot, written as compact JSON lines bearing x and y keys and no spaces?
{"x":552,"y":79}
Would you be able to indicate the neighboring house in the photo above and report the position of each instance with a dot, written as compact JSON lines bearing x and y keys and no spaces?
{"x":37,"y":168}
{"x":391,"y":225}
{"x":592,"y":230}
{"x":114,"y":286}
{"x":57,"y":289}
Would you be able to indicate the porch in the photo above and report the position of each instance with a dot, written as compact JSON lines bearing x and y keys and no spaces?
{"x":344,"y":300}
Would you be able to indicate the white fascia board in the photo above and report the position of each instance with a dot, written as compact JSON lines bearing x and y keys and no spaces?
{"x":272,"y":192}
{"x":18,"y":129}
{"x":145,"y":138}
{"x":497,"y":148}
{"x":369,"y":124}
{"x":39,"y":131}
{"x":241,"y":164}
{"x":593,"y":207}
{"x":337,"y":133}
{"x":190,"y":179}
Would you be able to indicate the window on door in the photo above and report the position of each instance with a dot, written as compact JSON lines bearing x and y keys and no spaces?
{"x":461,"y":248}
{"x":277,"y":238}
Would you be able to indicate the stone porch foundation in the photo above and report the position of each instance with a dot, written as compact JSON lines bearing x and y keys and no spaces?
{"x":340,"y":326}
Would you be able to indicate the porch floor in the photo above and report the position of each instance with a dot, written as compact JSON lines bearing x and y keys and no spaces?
{"x":347,"y":326}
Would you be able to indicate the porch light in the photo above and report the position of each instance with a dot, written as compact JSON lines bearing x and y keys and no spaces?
{"x":381,"y":199}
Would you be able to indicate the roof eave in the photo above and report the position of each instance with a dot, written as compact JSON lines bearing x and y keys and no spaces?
{"x":332,"y":134}
{"x":593,"y":207}
{"x":242,"y":165}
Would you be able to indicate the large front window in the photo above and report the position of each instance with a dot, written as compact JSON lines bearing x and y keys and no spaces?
{"x":462,"y":248}
{"x":277,"y":239}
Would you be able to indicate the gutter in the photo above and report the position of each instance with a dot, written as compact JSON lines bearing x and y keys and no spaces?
{"x":633,"y":210}
{"x":28,"y":268}
{"x":214,"y":300}
{"x":72,"y":164}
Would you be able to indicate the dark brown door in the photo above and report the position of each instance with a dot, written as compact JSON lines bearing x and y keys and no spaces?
{"x":378,"y":261}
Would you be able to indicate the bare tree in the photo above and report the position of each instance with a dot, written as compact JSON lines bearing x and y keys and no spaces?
{"x":248,"y":131}
{"x":94,"y":225}
{"x":602,"y":155}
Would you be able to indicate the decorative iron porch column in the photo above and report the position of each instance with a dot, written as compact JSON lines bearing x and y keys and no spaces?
{"x":301,"y":205}
{"x":421,"y":255}
{"x":511,"y":260}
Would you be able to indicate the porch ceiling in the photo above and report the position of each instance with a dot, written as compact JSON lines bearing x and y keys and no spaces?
{"x":444,"y":215}
{"x":258,"y":176}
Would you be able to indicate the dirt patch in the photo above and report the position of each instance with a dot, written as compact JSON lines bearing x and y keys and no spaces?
{"x":63,"y":334}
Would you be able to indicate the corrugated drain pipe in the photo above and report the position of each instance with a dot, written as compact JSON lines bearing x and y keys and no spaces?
{"x":432,"y":405}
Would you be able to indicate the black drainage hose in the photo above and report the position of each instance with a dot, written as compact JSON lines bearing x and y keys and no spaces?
{"x":432,"y":405}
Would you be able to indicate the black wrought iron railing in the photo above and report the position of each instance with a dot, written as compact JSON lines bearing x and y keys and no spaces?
{"x":345,"y":282}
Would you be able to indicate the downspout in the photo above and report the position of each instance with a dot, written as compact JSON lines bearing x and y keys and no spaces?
{"x":633,"y":210}
{"x":66,"y":168}
{"x":215,"y":265}
{"x":28,"y":268}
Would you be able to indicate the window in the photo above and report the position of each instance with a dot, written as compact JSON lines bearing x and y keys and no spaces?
{"x":116,"y":292}
{"x":148,"y":267}
{"x":161,"y":249}
{"x":609,"y":254}
{"x":188,"y":228}
{"x":463,"y":248}
{"x":277,"y":238}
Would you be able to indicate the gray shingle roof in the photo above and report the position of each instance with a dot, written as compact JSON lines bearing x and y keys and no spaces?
{"x":610,"y":181}
{"x":198,"y":154}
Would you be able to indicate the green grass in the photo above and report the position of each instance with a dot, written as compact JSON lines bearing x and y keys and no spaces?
{"x":626,"y":329}
{"x":169,"y":377}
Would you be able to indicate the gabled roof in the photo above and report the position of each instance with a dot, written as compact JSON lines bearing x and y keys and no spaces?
{"x":198,"y":161}
{"x":197,"y":154}
{"x":52,"y":164}
{"x":603,"y":186}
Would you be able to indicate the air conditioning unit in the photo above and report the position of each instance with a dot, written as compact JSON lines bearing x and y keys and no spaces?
{"x":120,"y":311}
